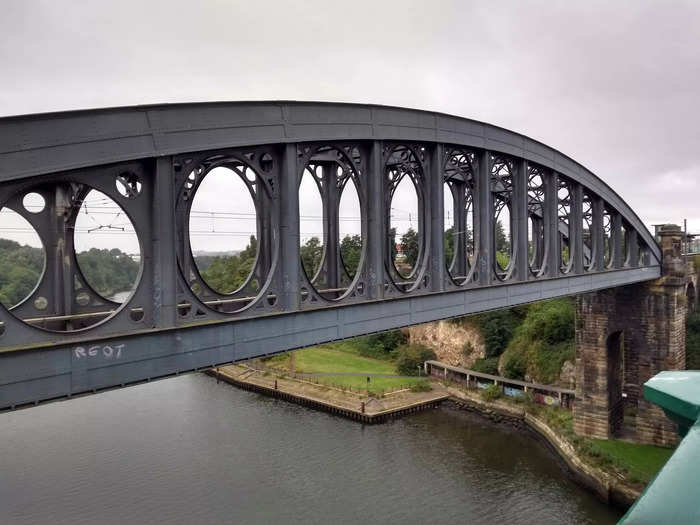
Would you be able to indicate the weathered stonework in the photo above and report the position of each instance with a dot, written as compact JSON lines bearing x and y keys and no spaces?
{"x":624,"y":336}
{"x":457,"y":344}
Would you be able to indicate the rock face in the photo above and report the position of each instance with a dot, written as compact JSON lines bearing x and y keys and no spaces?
{"x":567,"y":376}
{"x":455,"y":344}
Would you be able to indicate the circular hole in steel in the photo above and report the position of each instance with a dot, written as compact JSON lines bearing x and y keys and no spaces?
{"x":40,"y":303}
{"x":34,"y":202}
{"x":82,"y":298}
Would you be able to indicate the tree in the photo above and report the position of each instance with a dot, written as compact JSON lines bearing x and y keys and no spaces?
{"x":226,"y":274}
{"x":410,"y":247}
{"x":20,"y":269}
{"x":350,"y":252}
{"x":497,"y":328}
{"x":449,"y":245}
{"x":502,"y":242}
{"x":392,"y":242}
{"x":222,"y":274}
{"x":311,"y":255}
{"x":410,"y":356}
{"x":108,"y":271}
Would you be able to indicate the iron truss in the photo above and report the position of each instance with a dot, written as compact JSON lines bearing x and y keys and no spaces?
{"x":569,"y":232}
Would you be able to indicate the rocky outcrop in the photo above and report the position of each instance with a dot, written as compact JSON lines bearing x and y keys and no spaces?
{"x":457,"y":344}
{"x":567,"y":376}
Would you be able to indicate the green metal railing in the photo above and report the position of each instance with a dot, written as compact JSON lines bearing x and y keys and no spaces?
{"x":673,"y":496}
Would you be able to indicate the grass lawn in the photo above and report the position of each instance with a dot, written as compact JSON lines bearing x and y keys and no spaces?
{"x":642,"y":462}
{"x":327,"y":360}
{"x":377,"y":385}
{"x":343,"y":359}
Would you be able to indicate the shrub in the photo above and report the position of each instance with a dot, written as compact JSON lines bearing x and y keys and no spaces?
{"x":543,"y":341}
{"x":380,"y":346}
{"x":549,"y":321}
{"x":497,"y":328}
{"x":486,"y":365}
{"x":514,"y":366}
{"x":491,"y":392}
{"x":410,"y":356}
{"x":422,"y":386}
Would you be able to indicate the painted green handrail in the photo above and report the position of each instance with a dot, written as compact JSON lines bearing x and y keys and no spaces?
{"x":673,"y":496}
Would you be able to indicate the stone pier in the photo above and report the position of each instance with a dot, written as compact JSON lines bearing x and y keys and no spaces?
{"x":624,"y":336}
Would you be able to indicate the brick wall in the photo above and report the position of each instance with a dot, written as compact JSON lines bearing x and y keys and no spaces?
{"x":624,"y":336}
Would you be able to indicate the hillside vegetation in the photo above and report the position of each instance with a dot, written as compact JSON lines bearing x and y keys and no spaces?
{"x":107,"y":271}
{"x":526,"y":342}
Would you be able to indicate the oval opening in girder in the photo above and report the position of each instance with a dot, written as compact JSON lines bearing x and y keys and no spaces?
{"x":405,"y":228}
{"x":223,"y":232}
{"x":107,"y":249}
{"x":350,"y":237}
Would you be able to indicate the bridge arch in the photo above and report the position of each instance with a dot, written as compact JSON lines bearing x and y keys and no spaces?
{"x":151,"y":160}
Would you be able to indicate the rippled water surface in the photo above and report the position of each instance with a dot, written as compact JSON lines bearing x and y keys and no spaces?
{"x":189,"y":450}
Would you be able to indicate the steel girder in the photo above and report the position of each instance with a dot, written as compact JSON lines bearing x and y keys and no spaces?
{"x":569,"y":233}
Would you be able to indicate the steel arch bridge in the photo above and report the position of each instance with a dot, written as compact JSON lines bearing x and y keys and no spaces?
{"x":569,"y":233}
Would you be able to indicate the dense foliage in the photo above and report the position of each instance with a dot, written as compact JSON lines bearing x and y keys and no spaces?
{"x":20,"y":269}
{"x":380,"y":345}
{"x":21,"y":266}
{"x":225,"y":274}
{"x":449,"y":245}
{"x":351,"y":251}
{"x":486,"y":365}
{"x":491,"y":392}
{"x":409,"y":357}
{"x":497,"y":328}
{"x":108,"y":271}
{"x":542,"y":343}
{"x":312,"y":254}
{"x":692,"y":342}
{"x":502,"y":242}
{"x":410,"y":247}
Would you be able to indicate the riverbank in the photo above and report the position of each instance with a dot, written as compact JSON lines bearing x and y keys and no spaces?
{"x":611,"y":487}
{"x":354,"y":405}
{"x":341,"y":382}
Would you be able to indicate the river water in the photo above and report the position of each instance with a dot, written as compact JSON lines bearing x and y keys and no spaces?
{"x":189,"y":450}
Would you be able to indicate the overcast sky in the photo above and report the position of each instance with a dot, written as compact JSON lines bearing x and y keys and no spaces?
{"x":614,"y":85}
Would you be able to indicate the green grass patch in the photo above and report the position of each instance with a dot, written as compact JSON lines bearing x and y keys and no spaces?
{"x":377,"y":386}
{"x":344,"y":357}
{"x":640,"y":462}
{"x":329,"y":360}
